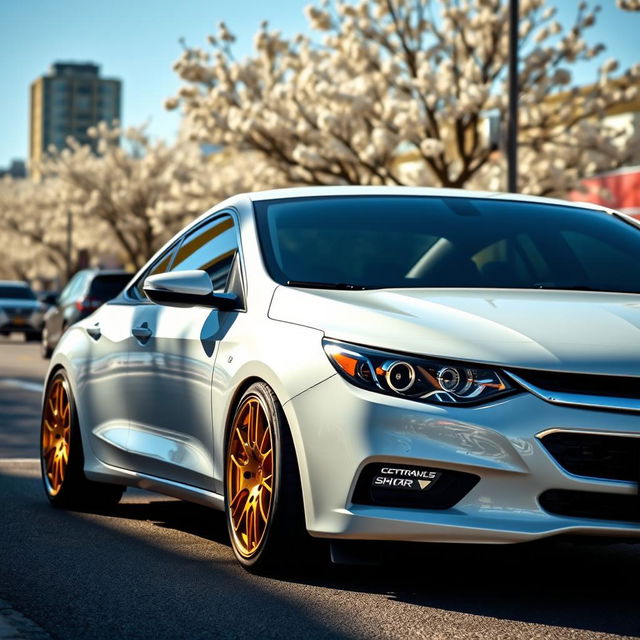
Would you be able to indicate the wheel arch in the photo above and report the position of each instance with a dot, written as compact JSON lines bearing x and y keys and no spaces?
{"x":50,"y":374}
{"x":55,"y":368}
{"x":295,"y":437}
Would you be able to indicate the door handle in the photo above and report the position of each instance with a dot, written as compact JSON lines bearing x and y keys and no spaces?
{"x":142,"y":333}
{"x":94,"y":331}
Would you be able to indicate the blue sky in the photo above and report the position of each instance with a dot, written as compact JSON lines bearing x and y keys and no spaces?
{"x":137,"y":41}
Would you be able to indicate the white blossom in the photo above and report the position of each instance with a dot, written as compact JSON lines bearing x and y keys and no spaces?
{"x":125,"y":202}
{"x":383,"y":85}
{"x":629,"y":5}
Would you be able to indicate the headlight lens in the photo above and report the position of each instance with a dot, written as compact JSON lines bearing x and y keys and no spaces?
{"x":422,"y":379}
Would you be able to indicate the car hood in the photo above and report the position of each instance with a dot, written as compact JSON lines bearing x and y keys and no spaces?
{"x":589,"y":332}
{"x":17,"y":303}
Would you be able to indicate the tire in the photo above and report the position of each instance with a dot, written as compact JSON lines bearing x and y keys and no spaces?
{"x":62,"y":457}
{"x":33,"y":337}
{"x":45,"y":349}
{"x":279,"y":535}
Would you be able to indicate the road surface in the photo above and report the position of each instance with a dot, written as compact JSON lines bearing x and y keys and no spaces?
{"x":155,"y":568}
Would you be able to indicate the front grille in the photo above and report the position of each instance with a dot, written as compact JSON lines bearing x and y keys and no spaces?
{"x":595,"y":455}
{"x":591,"y":504}
{"x":445,"y":492}
{"x":582,"y":383}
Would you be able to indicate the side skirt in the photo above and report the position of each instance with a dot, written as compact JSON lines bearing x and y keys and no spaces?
{"x":158,"y":485}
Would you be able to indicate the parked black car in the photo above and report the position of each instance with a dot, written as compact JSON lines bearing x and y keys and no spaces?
{"x":84,"y":293}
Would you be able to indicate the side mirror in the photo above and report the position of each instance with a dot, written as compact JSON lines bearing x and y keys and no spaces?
{"x":187,"y":289}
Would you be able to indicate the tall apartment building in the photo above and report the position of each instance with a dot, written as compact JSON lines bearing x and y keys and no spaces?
{"x":66,"y":102}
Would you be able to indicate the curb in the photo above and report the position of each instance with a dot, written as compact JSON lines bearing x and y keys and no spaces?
{"x":15,"y":626}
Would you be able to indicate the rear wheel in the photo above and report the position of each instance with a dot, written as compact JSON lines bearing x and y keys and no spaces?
{"x":61,"y":455}
{"x":263,"y":498}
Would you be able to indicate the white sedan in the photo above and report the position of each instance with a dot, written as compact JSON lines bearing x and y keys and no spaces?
{"x":356,"y":363}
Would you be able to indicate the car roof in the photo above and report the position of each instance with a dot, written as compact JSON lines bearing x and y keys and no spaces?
{"x":306,"y":192}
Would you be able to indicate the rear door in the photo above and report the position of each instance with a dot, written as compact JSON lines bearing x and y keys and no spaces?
{"x":171,"y":357}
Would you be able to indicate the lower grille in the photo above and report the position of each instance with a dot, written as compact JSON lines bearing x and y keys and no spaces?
{"x":595,"y":455}
{"x":591,"y":504}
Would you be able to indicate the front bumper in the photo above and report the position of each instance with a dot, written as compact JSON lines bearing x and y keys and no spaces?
{"x":339,"y":429}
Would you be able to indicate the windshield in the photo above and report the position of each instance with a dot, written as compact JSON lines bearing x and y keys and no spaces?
{"x":16,"y":293}
{"x":412,"y":241}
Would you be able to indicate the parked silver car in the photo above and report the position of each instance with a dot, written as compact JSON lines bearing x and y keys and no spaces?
{"x":20,"y":310}
{"x":366,"y":364}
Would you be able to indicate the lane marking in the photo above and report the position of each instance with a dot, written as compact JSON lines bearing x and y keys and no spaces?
{"x":22,"y":384}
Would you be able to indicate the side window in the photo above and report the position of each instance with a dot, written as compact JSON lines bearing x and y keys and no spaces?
{"x":210,"y":248}
{"x":161,"y":265}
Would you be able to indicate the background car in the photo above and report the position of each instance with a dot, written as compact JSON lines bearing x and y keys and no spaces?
{"x":84,"y":293}
{"x":20,"y":310}
{"x":366,"y":363}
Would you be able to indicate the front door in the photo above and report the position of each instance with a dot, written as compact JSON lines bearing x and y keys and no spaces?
{"x":171,"y":359}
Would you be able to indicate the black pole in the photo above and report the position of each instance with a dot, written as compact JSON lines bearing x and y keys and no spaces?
{"x":512,"y":131}
{"x":69,"y":243}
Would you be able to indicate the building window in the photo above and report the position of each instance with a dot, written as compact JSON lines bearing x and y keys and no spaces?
{"x":83,"y":103}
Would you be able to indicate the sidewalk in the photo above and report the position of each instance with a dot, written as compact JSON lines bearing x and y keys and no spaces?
{"x":14,"y":626}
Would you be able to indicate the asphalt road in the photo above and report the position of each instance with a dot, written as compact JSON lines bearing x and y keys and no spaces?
{"x":159,"y":568}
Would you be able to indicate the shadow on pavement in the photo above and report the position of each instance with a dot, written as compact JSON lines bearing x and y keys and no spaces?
{"x":111,"y":575}
{"x":121,"y":576}
{"x":559,"y":583}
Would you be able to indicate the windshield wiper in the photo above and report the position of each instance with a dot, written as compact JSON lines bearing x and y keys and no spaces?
{"x":344,"y":286}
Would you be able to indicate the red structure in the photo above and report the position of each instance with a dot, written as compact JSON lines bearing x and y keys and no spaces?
{"x":618,"y":189}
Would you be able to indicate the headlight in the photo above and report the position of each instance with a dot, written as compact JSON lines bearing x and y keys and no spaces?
{"x":422,"y":379}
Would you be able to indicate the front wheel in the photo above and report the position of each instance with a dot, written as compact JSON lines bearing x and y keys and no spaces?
{"x":263,"y":497}
{"x":61,"y":455}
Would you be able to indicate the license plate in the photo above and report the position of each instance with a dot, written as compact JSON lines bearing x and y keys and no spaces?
{"x":19,"y":320}
{"x":405,"y":478}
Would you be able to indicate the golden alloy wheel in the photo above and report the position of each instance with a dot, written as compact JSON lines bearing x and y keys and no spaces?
{"x":250,"y":476}
{"x":56,"y":436}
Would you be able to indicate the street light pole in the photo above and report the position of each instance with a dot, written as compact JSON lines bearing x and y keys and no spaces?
{"x":69,"y":243}
{"x":512,"y":125}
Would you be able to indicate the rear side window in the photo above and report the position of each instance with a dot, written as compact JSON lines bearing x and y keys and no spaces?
{"x":106,"y":287}
{"x":211,"y":248}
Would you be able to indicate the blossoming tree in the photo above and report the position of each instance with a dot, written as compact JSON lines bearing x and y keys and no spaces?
{"x":124,"y":202}
{"x":383,"y":78}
